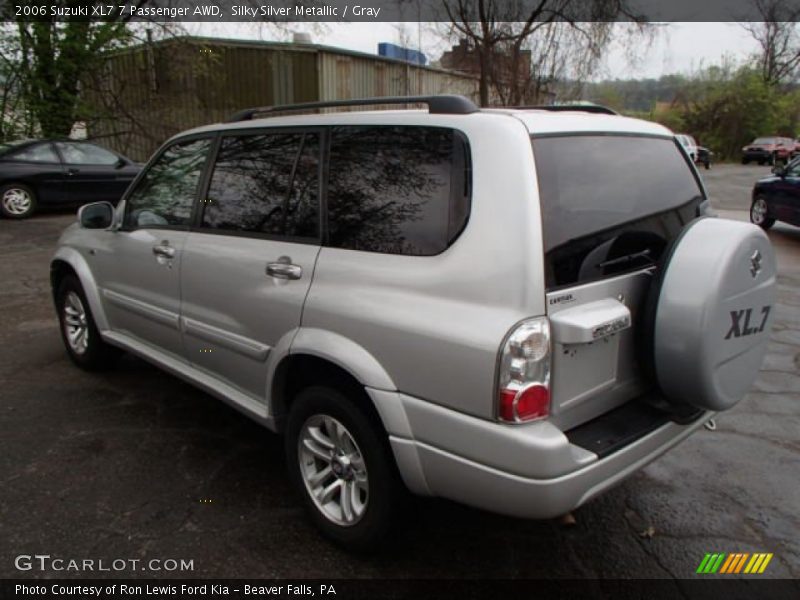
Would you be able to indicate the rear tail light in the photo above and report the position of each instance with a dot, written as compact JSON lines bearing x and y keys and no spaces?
{"x":523,"y":378}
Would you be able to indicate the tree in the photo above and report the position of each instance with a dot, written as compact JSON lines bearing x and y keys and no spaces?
{"x":523,"y":47}
{"x":777,"y":35}
{"x":46,"y":62}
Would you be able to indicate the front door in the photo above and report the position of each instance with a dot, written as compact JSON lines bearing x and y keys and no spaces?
{"x":258,"y":238}
{"x":138,"y":268}
{"x":91,"y":173}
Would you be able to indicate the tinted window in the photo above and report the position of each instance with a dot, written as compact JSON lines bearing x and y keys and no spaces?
{"x":37,"y":153}
{"x":402,"y":190}
{"x":266,"y":184}
{"x":86,"y":154}
{"x":164,"y":195}
{"x":610,"y":203}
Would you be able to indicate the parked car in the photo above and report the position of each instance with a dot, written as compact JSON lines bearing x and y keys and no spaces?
{"x":699,"y":154}
{"x":704,"y":156}
{"x":689,"y":143}
{"x":36,"y":173}
{"x":768,"y":150}
{"x":488,"y":320}
{"x":777,"y":198}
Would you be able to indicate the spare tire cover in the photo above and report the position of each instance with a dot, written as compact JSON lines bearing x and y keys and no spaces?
{"x":713,"y":313}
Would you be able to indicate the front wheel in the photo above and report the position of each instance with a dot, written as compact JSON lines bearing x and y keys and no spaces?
{"x":341,"y":465}
{"x":17,"y":201}
{"x":78,"y":330}
{"x":759,"y":213}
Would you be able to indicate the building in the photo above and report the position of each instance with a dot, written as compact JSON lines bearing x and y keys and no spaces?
{"x":147,"y":93}
{"x":464,"y":58}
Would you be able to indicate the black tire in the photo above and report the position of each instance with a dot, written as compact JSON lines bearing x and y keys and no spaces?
{"x":707,"y":165}
{"x":765,"y":222}
{"x":97,"y":355}
{"x":384,"y":491}
{"x":745,"y":161}
{"x":17,"y":201}
{"x":761,"y":161}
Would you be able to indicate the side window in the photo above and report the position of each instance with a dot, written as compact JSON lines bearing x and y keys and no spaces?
{"x":86,"y":154}
{"x":164,"y":195}
{"x":40,"y":153}
{"x":793,"y":169}
{"x":266,"y":183}
{"x":398,"y":190}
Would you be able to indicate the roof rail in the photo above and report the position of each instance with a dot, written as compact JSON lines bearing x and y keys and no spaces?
{"x":589,"y":108}
{"x":443,"y":105}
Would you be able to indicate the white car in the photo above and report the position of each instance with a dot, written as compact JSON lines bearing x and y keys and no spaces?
{"x":689,"y":143}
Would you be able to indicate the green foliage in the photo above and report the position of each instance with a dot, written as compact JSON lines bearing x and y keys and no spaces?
{"x":46,"y":61}
{"x":724,"y":107}
{"x":727,"y":111}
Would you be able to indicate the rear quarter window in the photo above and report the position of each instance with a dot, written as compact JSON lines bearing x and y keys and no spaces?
{"x":397,"y":190}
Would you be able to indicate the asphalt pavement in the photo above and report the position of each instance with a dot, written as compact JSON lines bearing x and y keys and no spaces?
{"x":136,"y":464}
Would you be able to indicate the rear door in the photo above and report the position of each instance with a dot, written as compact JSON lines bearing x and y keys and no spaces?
{"x":606,"y":223}
{"x":248,"y":266}
{"x":138,"y":266}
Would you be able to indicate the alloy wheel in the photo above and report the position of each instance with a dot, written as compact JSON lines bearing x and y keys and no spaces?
{"x":333,"y":470}
{"x":758,"y":211}
{"x":76,"y":326}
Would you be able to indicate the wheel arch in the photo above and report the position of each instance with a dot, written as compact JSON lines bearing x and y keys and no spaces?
{"x":320,"y":356}
{"x":69,"y":261}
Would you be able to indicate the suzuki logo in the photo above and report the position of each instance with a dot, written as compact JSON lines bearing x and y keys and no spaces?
{"x":755,"y":264}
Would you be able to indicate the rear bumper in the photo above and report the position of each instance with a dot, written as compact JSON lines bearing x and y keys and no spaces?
{"x":476,"y":484}
{"x":505,"y":469}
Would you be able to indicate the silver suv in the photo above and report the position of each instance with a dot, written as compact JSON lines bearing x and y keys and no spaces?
{"x":513,"y":309}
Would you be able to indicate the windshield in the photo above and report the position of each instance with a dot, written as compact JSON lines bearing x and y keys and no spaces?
{"x":764,"y":141}
{"x":605,"y":198}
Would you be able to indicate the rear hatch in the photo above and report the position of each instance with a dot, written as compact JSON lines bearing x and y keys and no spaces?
{"x":611,"y":204}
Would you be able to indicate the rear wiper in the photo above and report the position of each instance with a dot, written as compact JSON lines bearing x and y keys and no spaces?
{"x":628,"y":258}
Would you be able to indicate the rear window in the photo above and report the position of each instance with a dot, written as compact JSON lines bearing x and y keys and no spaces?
{"x":610,"y":203}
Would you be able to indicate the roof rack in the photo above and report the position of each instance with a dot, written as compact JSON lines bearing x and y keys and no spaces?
{"x":443,"y":105}
{"x":589,"y":108}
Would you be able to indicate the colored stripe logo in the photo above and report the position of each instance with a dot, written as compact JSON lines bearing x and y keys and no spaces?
{"x":734,"y":563}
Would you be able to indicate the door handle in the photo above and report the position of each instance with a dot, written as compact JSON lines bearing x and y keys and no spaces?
{"x":73,"y":171}
{"x":164,"y":250}
{"x":284,"y":269}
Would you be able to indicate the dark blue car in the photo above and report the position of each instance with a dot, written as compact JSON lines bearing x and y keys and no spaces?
{"x":777,"y":198}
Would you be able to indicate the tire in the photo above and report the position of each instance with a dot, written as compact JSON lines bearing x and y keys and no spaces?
{"x":760,"y":161}
{"x":745,"y":161}
{"x":706,"y":348}
{"x":87,"y":349}
{"x":323,"y":422}
{"x":759,"y":213}
{"x":17,"y":201}
{"x":707,"y":165}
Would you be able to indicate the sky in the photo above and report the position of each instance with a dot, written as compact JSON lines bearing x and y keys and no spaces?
{"x":678,"y":47}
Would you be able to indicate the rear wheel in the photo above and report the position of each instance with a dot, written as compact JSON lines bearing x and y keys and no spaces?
{"x":17,"y":201}
{"x":759,"y":213}
{"x":341,"y":465}
{"x":78,"y":330}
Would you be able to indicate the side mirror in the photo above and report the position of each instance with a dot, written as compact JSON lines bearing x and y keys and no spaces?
{"x":779,"y":170}
{"x":121,"y":162}
{"x":97,"y":215}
